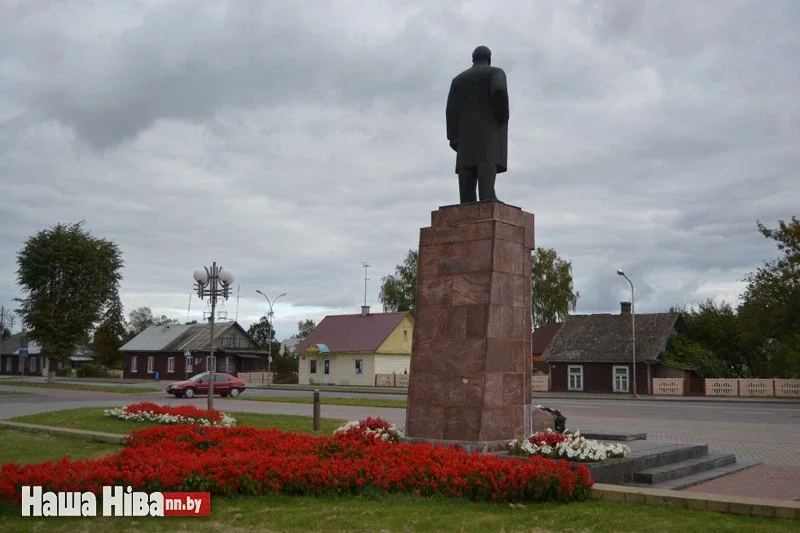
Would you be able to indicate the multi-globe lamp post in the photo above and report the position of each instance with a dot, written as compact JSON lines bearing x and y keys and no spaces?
{"x":269,"y":333}
{"x":633,"y":331}
{"x":213,"y":282}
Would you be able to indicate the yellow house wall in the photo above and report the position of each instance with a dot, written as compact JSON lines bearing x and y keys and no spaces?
{"x":397,"y":342}
{"x":388,"y":364}
{"x":343,"y":370}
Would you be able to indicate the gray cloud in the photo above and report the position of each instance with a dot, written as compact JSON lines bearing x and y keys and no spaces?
{"x":291,"y":143}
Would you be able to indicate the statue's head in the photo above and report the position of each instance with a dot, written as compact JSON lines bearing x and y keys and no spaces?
{"x":482,"y":54}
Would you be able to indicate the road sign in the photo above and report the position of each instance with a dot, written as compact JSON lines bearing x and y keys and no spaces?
{"x":187,"y":353}
{"x":23,"y":352}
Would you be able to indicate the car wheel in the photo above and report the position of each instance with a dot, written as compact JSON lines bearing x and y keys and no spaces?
{"x":189,"y":393}
{"x":234,"y":393}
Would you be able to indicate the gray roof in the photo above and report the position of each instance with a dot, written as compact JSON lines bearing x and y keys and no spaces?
{"x":177,"y":338}
{"x":12,"y":345}
{"x":606,"y":338}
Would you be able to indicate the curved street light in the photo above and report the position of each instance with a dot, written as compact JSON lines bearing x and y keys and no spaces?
{"x":269,"y":333}
{"x":633,"y":331}
{"x":214,"y":283}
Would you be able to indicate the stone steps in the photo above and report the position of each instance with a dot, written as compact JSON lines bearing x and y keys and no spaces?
{"x":680,"y":469}
{"x":700,"y":477}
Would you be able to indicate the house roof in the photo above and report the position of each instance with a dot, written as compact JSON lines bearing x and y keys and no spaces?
{"x":606,"y":338}
{"x":177,"y":338}
{"x":353,"y":333}
{"x":12,"y":345}
{"x":542,"y":336}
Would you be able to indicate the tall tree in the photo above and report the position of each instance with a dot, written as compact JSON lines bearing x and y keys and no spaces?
{"x":711,"y":342}
{"x":304,"y":328}
{"x":68,"y":278}
{"x":139,"y":320}
{"x":553,"y":295}
{"x":110,"y":335}
{"x":770,"y":306}
{"x":262,"y":332}
{"x":399,"y":290}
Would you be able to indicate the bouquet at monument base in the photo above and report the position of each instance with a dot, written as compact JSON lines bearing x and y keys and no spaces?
{"x":570,"y":446}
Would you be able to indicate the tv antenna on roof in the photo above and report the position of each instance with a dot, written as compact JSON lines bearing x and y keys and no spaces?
{"x":365,"y":266}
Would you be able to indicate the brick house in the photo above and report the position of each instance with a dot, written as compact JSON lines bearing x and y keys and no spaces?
{"x":592,"y":353}
{"x":177,"y":352}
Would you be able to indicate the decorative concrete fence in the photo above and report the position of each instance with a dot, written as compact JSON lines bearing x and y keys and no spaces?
{"x":391,"y":380}
{"x":668,"y":386}
{"x":255,"y":377}
{"x":722,"y":387}
{"x":540,"y":384}
{"x":787,"y":388}
{"x":756,"y":387}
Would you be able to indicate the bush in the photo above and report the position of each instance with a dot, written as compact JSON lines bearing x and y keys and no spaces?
{"x":91,"y":370}
{"x":285,"y":378}
{"x":65,"y":372}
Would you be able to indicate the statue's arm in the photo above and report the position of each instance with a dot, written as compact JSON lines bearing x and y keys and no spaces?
{"x":451,"y":115}
{"x":500,"y":97}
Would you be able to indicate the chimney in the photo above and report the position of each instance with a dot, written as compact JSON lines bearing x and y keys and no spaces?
{"x":364,"y":310}
{"x":624,"y":308}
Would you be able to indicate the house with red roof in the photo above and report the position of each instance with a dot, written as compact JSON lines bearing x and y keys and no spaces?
{"x":353,"y":349}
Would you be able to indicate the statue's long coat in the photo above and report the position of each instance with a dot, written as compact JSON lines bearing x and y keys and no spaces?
{"x":477,"y":117}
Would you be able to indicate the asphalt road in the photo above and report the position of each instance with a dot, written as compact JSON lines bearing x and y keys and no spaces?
{"x":766,"y":432}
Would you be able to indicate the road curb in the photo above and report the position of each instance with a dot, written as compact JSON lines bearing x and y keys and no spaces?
{"x":99,"y":436}
{"x":698,"y":500}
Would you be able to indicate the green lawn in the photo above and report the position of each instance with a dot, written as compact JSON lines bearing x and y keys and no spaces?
{"x":13,"y":393}
{"x":73,"y":386}
{"x":328,"y":400}
{"x":92,"y":418}
{"x":24,"y":447}
{"x":401,"y":513}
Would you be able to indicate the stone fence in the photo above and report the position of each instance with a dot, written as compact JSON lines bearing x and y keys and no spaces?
{"x":540,"y":383}
{"x":391,"y":380}
{"x":783,"y":388}
{"x":256,"y":377}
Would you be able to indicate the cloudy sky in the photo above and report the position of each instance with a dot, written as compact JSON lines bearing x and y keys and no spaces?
{"x":291,"y":142}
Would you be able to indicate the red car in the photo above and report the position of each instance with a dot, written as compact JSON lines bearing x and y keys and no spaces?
{"x":224,"y":385}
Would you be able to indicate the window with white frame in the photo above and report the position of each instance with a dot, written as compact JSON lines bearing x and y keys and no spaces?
{"x":134,"y":364}
{"x":189,"y":363}
{"x":359,"y":366}
{"x":34,"y":362}
{"x":312,"y":366}
{"x":227,"y":363}
{"x":171,"y":365}
{"x":620,"y":374}
{"x":9,"y":362}
{"x":575,"y":375}
{"x":151,"y":364}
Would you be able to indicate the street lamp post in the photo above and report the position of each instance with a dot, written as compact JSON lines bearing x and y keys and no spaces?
{"x":212,"y":282}
{"x":269,"y":333}
{"x":633,"y":331}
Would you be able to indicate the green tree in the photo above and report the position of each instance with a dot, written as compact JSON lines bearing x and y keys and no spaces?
{"x":139,"y":320}
{"x":304,"y":328}
{"x":553,"y":295}
{"x":711,"y":342}
{"x":262,"y":332}
{"x":770,"y":306}
{"x":6,"y":333}
{"x":109,"y":336}
{"x":399,"y":290}
{"x":69,"y":279}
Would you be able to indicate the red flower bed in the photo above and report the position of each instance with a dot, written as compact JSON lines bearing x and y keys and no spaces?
{"x":551,"y":439}
{"x":188,"y":411}
{"x":250,"y":461}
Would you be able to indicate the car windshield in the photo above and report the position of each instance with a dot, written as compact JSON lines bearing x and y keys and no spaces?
{"x":199,"y":377}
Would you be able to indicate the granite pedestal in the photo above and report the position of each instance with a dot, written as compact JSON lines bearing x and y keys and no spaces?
{"x":470,"y":372}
